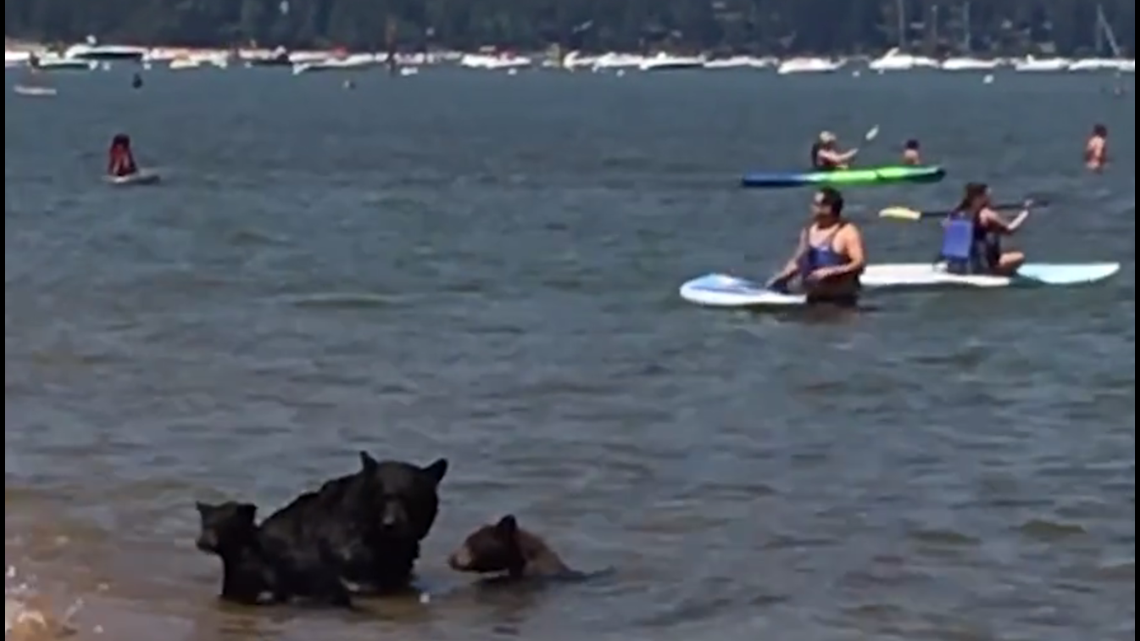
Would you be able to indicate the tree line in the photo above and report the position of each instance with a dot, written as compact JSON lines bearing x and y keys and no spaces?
{"x":743,"y":26}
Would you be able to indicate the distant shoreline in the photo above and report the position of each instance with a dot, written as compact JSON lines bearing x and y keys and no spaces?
{"x":12,"y":44}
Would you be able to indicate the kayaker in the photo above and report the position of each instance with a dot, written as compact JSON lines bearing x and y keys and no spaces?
{"x":911,"y":155}
{"x":120,"y":160}
{"x":971,"y":236}
{"x":825,"y":154}
{"x":829,"y":257}
{"x":1096,"y":148}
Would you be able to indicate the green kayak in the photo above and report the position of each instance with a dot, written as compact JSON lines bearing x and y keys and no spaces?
{"x":842,"y":177}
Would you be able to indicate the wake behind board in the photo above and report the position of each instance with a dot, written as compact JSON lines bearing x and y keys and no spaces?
{"x":843,"y":177}
{"x":722,"y":290}
{"x":919,"y":275}
{"x":34,"y":91}
{"x":138,"y":179}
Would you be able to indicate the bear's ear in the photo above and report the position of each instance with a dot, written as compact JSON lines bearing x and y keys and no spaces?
{"x":367,"y":463}
{"x":205,"y":509}
{"x":437,"y":470}
{"x":508,"y":525}
{"x":247,"y":512}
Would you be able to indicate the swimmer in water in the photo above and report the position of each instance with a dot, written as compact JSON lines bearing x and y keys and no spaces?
{"x":829,"y":257}
{"x":1096,"y":148}
{"x":911,"y":155}
{"x":825,"y":154}
{"x":971,"y":236}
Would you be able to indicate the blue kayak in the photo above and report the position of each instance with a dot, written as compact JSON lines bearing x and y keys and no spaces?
{"x":843,"y":177}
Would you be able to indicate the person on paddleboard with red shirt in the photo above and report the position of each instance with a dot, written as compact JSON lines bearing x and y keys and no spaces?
{"x":971,"y":236}
{"x":120,"y":159}
{"x":829,"y":256}
{"x":825,"y":154}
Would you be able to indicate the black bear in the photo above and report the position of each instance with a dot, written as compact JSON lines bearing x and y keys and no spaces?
{"x":369,"y":523}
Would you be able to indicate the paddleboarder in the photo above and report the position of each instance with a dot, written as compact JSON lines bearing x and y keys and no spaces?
{"x":1096,"y":148}
{"x":829,"y":256}
{"x":971,"y":239}
{"x":825,"y":154}
{"x":120,"y":160}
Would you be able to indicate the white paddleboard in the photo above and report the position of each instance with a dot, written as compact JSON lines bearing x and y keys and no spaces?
{"x":919,"y":275}
{"x":722,"y":290}
{"x":141,"y":178}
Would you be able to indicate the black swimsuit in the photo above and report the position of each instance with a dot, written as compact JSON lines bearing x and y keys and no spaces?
{"x":817,"y":163}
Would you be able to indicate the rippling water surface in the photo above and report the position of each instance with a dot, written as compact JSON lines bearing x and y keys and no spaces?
{"x":484,"y":267}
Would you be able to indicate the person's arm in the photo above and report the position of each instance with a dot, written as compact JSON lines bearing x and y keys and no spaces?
{"x":836,"y":158}
{"x":793,"y":265}
{"x":1008,"y":228}
{"x":856,"y":253}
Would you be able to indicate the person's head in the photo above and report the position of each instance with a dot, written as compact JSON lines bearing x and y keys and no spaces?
{"x":827,"y":139}
{"x":975,"y":197}
{"x":1100,"y":130}
{"x":911,"y":145}
{"x":827,"y":204}
{"x":121,"y":140}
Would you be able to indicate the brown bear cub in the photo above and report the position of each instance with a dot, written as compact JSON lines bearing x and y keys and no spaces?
{"x":506,"y":549}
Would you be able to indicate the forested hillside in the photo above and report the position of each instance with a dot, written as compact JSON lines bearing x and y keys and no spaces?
{"x":761,"y":26}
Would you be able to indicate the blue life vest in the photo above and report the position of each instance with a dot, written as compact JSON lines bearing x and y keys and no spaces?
{"x":963,"y":248}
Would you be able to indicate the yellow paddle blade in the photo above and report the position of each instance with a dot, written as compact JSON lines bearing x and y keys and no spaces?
{"x":900,"y":213}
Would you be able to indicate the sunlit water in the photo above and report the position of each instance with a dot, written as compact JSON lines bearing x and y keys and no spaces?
{"x":484,"y":267}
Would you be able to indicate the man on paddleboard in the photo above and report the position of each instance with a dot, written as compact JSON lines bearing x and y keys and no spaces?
{"x":971,"y":240}
{"x":829,"y":256}
{"x":825,"y":154}
{"x":120,"y":160}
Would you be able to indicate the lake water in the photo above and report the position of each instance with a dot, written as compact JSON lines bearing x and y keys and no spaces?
{"x":485,"y":267}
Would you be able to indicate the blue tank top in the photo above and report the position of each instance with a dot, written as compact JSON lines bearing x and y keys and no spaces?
{"x":822,"y":254}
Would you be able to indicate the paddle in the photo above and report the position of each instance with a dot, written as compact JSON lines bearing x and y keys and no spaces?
{"x":905,"y":213}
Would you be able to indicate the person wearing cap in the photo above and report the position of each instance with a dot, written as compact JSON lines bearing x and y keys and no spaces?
{"x":825,"y":154}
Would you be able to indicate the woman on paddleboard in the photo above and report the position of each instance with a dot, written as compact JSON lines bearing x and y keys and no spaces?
{"x":1096,"y":148}
{"x":825,"y":154}
{"x":829,"y":256}
{"x":972,"y":235}
{"x":120,"y":160}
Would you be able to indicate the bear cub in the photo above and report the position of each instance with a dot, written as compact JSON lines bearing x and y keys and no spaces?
{"x":250,"y":575}
{"x":507,"y":550}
